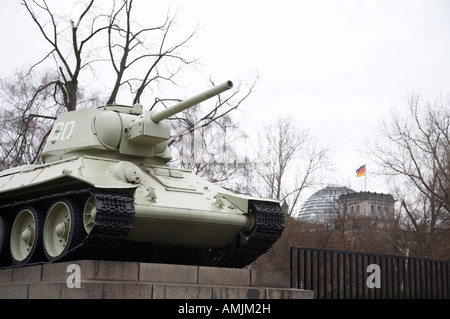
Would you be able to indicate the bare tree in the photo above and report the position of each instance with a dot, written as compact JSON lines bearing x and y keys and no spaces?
{"x":289,"y":162}
{"x":192,"y":120}
{"x":26,"y":118}
{"x":414,"y":152}
{"x":211,"y":146}
{"x":128,"y":48}
{"x":69,"y":66}
{"x":74,"y":48}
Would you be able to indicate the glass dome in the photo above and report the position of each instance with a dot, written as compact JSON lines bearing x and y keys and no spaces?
{"x":323,"y":203}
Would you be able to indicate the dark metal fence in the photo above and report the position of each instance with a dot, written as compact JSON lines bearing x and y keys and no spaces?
{"x":338,"y":274}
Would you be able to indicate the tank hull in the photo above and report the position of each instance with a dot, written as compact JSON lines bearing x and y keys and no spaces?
{"x":165,"y":207}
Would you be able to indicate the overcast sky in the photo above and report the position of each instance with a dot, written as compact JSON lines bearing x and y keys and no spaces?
{"x":335,"y":66}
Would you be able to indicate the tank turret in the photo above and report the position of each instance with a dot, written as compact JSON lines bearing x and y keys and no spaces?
{"x":118,"y":132}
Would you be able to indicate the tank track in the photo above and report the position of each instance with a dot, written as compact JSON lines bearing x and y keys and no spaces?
{"x":269,"y":226}
{"x":114,"y":218}
{"x":113,"y":221}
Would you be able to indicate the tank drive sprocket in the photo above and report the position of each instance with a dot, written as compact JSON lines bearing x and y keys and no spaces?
{"x":269,"y":227}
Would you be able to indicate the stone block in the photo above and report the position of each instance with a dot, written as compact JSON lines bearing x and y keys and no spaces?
{"x":273,"y":293}
{"x":220,"y":292}
{"x":88,"y":290}
{"x":92,"y":270}
{"x":277,"y":279}
{"x":45,"y":290}
{"x":27,"y":274}
{"x":13,"y":291}
{"x":127,"y":291}
{"x":223,"y":276}
{"x":55,"y":272}
{"x":109,"y":270}
{"x":5,"y":275}
{"x":168,"y":273}
{"x":162,"y":291}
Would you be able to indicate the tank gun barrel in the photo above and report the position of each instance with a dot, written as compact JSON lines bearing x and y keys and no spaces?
{"x":179,"y":107}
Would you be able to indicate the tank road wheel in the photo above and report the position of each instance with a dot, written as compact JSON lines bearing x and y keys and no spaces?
{"x":26,"y":236}
{"x":89,"y":213}
{"x":211,"y":256}
{"x":62,"y":229}
{"x":219,"y":256}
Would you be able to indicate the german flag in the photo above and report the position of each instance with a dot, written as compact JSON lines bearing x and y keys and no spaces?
{"x":361,"y":171}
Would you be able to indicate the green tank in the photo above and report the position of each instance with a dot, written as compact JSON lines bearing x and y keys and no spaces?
{"x":104,"y":191}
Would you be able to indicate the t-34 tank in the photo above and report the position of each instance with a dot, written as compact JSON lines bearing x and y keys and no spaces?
{"x":104,"y":191}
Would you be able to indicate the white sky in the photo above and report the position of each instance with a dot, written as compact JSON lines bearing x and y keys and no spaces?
{"x":335,"y":66}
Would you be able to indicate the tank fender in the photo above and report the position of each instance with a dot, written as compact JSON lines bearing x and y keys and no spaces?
{"x":241,"y":201}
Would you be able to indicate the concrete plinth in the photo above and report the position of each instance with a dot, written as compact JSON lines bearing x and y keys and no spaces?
{"x":134,"y":280}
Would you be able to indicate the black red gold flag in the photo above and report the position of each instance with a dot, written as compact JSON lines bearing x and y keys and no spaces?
{"x":361,"y":171}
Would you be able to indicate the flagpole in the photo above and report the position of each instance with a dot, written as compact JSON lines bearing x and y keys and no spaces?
{"x":365,"y":179}
{"x":362,"y":172}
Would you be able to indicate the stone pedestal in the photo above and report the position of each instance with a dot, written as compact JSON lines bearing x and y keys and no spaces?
{"x":95,"y":279}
